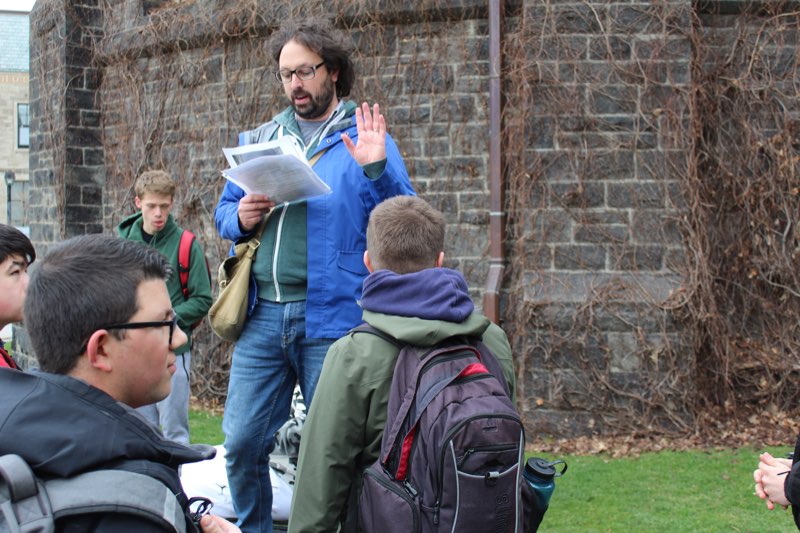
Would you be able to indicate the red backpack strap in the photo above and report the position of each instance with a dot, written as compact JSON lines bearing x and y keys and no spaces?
{"x":184,"y":260}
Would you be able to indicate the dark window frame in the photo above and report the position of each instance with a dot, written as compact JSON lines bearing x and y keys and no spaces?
{"x":23,"y":126}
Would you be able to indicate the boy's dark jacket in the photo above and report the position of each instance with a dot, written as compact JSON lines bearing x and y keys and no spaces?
{"x":342,"y":435}
{"x":62,"y":427}
{"x":791,"y":487}
{"x":167,"y":241}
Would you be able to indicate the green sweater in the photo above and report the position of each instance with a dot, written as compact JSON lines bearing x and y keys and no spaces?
{"x":342,"y":435}
{"x":167,"y":241}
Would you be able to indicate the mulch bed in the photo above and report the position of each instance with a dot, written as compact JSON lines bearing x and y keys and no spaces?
{"x":770,"y":427}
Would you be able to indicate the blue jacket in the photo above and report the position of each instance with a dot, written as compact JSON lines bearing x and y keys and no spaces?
{"x":337,"y":224}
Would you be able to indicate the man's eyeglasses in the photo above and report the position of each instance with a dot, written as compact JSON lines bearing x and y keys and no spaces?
{"x":303,"y":73}
{"x":172,"y":323}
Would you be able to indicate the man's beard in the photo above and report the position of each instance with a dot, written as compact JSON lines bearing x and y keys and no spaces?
{"x":318,"y":105}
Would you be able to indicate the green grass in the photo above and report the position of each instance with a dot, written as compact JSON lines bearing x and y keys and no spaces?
{"x":204,"y":427}
{"x":694,"y":491}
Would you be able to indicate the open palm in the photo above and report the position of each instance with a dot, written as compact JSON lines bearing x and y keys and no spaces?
{"x":370,"y":146}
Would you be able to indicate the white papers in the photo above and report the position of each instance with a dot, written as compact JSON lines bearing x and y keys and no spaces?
{"x":276,"y":168}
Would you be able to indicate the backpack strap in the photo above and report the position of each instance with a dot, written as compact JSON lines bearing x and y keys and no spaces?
{"x":411,"y":398}
{"x":34,"y":505}
{"x":116,"y":491}
{"x":18,"y":477}
{"x":365,"y":327}
{"x":493,"y":365}
{"x":184,"y":260}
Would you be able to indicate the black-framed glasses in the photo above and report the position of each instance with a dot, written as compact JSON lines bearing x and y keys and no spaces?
{"x":284,"y":75}
{"x":171,"y":323}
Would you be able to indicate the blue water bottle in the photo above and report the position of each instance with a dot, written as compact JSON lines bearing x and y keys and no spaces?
{"x":540,"y":475}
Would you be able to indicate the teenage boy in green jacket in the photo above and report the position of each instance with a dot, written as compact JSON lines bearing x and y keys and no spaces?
{"x":153,"y":225}
{"x":410,"y":296}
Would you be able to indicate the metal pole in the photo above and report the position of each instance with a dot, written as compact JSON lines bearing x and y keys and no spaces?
{"x":8,"y":202}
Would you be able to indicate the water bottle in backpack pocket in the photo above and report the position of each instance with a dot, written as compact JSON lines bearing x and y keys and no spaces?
{"x":540,"y":477}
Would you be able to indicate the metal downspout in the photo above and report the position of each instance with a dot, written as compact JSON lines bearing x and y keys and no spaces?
{"x":494,"y":282}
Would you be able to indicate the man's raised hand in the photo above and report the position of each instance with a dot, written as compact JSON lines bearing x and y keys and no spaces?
{"x":370,"y":147}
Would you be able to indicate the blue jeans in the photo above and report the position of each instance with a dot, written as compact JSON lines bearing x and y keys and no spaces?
{"x":271,"y":355}
{"x":172,"y":413}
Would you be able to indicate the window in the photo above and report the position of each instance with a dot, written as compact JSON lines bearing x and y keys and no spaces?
{"x":23,"y":126}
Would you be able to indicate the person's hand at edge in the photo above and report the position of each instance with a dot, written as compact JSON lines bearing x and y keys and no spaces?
{"x":216,"y":524}
{"x":770,"y":478}
{"x":370,"y":146}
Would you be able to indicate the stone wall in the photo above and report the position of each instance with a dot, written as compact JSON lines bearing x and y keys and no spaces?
{"x":597,"y":143}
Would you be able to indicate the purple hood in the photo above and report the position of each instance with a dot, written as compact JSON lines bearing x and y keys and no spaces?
{"x":430,"y":294}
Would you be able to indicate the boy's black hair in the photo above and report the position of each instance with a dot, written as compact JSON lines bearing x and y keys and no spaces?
{"x":14,"y":243}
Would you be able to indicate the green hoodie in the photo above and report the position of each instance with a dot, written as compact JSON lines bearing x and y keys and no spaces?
{"x":167,"y":241}
{"x":342,"y":434}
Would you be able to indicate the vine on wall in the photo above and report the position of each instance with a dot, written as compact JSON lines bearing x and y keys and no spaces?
{"x":652,"y":147}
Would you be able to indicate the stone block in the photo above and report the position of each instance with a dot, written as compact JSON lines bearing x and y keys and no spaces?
{"x":579,"y":257}
{"x":601,"y":233}
{"x":609,"y":48}
{"x":636,"y":195}
{"x":613,"y":100}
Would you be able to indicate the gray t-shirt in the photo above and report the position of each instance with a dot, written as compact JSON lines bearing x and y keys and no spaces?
{"x":308,"y":128}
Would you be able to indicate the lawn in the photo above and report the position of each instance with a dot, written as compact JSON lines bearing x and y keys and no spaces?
{"x":693,"y":491}
{"x":205,"y":427}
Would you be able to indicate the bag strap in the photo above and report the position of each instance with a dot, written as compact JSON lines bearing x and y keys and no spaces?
{"x":40,"y":503}
{"x":494,"y":366}
{"x":315,"y":157}
{"x":365,"y":327}
{"x":18,"y":477}
{"x":27,"y":508}
{"x":184,"y":260}
{"x":410,"y":398}
{"x":99,"y":492}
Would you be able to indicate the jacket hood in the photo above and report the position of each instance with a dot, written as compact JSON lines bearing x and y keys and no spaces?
{"x":62,"y":426}
{"x":131,"y":227}
{"x":421,"y":308}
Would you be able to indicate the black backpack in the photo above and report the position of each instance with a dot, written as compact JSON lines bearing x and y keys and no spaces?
{"x":31,"y":505}
{"x":453,"y":447}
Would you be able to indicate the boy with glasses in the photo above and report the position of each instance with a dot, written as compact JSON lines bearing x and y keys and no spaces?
{"x":153,"y":224}
{"x":308,"y":270}
{"x":16,"y":254}
{"x":102,"y":325}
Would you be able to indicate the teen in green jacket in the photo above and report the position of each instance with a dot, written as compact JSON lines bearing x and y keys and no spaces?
{"x":409,"y":296}
{"x":154,"y":225}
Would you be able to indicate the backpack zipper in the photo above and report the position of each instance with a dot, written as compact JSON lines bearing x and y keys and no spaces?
{"x":407,"y":495}
{"x":473,"y":377}
{"x":491,"y":448}
{"x":461,"y":354}
{"x":447,"y":438}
